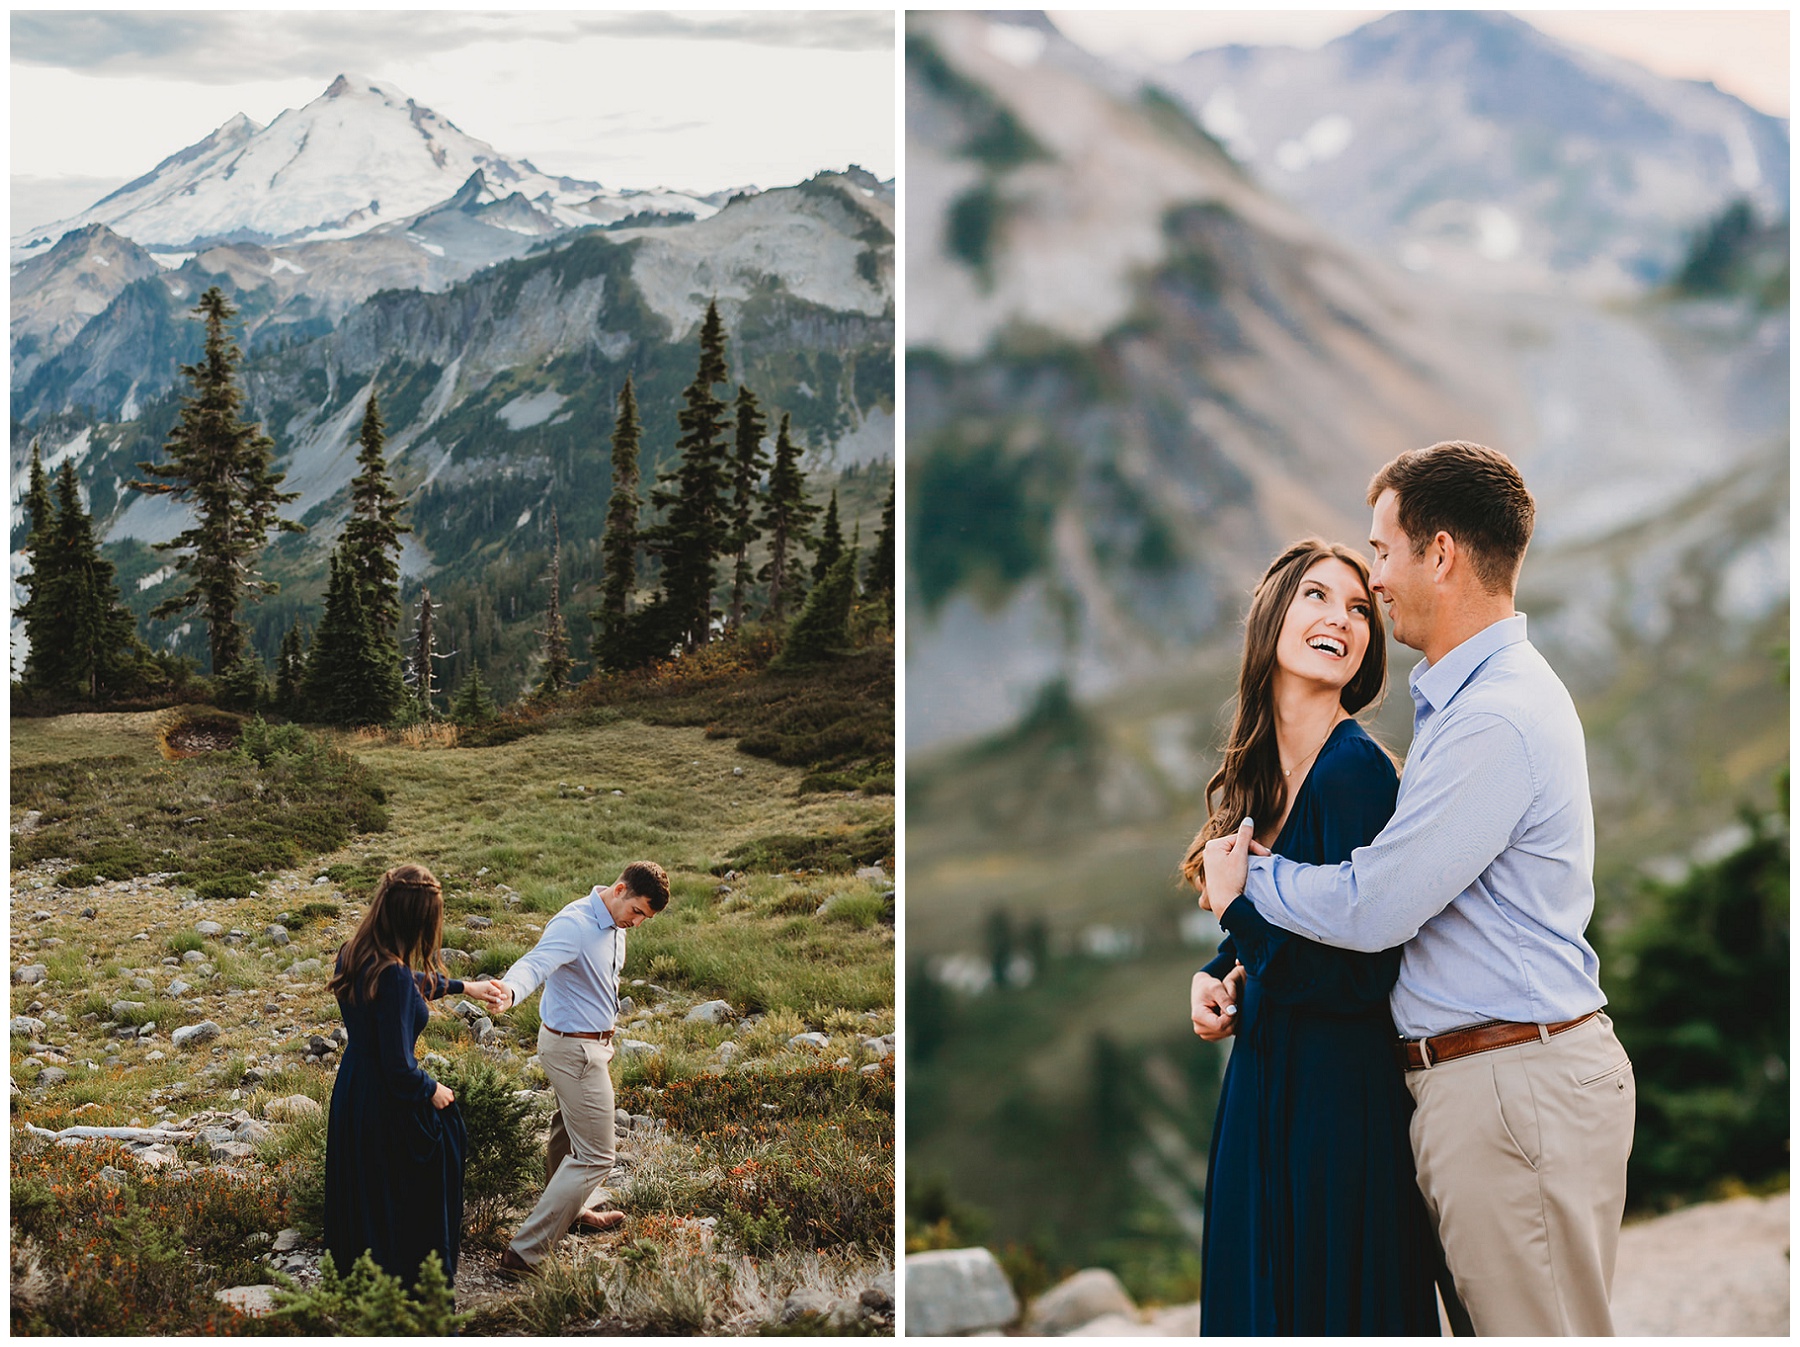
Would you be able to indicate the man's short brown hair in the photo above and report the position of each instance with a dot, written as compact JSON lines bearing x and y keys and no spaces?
{"x":647,"y":880}
{"x":1471,"y":492}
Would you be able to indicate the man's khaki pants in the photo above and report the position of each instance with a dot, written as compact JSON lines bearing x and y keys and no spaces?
{"x":581,"y":1134}
{"x":1521,"y":1156}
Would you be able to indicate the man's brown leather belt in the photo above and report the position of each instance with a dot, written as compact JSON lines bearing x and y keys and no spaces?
{"x":599,"y":1036}
{"x":1418,"y":1053}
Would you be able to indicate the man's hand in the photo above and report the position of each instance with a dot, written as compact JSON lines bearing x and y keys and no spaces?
{"x":1227,"y":866}
{"x":1214,"y":1004}
{"x":495,"y":995}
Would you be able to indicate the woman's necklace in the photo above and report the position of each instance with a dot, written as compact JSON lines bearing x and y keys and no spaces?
{"x":1289,"y":771}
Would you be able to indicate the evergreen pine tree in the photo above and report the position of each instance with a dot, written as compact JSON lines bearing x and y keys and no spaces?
{"x":694,"y":532}
{"x":747,"y":467}
{"x":786,"y":514}
{"x":878,"y":580}
{"x":823,"y":628}
{"x":831,"y":542}
{"x":222,"y":465}
{"x":618,"y":549}
{"x":557,"y":663}
{"x":88,"y":645}
{"x":472,"y":705}
{"x":290,"y":671}
{"x":371,"y":540}
{"x":42,"y":522}
{"x":349,"y":679}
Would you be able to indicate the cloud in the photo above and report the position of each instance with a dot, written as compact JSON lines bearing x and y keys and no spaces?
{"x":236,"y":47}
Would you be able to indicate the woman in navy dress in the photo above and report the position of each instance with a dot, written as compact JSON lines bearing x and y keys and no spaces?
{"x":1314,"y":1222}
{"x":395,"y":1142}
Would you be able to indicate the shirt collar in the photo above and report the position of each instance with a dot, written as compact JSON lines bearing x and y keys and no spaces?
{"x":1435,"y":684}
{"x":598,"y":909}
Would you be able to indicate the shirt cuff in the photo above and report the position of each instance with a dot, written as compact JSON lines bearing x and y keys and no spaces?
{"x":1248,"y":927}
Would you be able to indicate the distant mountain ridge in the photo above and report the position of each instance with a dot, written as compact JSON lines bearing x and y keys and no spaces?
{"x":1473,"y":145}
{"x":359,"y":156}
{"x":1134,"y":373}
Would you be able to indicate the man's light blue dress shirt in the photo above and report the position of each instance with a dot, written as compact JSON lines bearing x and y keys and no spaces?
{"x":577,"y":960}
{"x":1486,"y":871}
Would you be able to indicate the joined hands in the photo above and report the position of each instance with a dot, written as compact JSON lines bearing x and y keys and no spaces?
{"x":495,"y":995}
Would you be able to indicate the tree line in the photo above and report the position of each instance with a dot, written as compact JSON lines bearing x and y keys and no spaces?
{"x":725,"y":495}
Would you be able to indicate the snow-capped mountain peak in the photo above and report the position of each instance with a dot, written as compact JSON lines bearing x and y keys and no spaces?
{"x":360,"y":155}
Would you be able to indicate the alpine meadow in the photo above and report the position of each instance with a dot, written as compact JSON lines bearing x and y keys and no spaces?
{"x":380,"y":498}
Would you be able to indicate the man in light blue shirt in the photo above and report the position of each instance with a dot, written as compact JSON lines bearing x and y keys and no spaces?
{"x":1524,"y":1099}
{"x":577,"y":961}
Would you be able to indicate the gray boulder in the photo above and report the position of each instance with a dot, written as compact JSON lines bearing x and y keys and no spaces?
{"x":879,"y":1047}
{"x":633,"y":1047}
{"x":52,"y":1075}
{"x":24,"y":1024}
{"x":120,"y":1009}
{"x":31,"y":972}
{"x":209,"y":928}
{"x":278,"y":934}
{"x":951,"y":1291}
{"x":1090,"y":1294}
{"x":873,"y":873}
{"x":251,"y":1301}
{"x":178,"y":988}
{"x":292,"y":1108}
{"x":807,"y":1300}
{"x":192,"y":956}
{"x":710,"y":1012}
{"x":192,"y":1035}
{"x":811,"y":1040}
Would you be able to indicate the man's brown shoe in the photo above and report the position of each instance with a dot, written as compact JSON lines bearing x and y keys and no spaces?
{"x":591,"y":1222}
{"x":514,"y":1268}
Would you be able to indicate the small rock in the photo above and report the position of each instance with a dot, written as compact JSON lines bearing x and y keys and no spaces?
{"x":1089,"y":1295}
{"x":250,"y":1132}
{"x":194,"y":1034}
{"x":873,"y":873}
{"x":90,"y":912}
{"x":879,"y":1047}
{"x":179,"y":988}
{"x":478,"y":923}
{"x":621,"y":1120}
{"x":278,"y":934}
{"x":320,"y":1046}
{"x":805,"y":1301}
{"x":633,"y":1047}
{"x":254,"y":1076}
{"x":466,"y":1010}
{"x":42,"y":916}
{"x":481,"y":1028}
{"x":304,"y":968}
{"x":727,"y":1050}
{"x":155,"y":1055}
{"x":120,"y":1009}
{"x":291,"y":1108}
{"x":192,"y":956}
{"x":339,"y":1036}
{"x":809,"y":1040}
{"x":286,"y":1241}
{"x":110,"y":1174}
{"x":878,"y":1299}
{"x":627,"y":1006}
{"x":30,"y":973}
{"x":24,"y":1024}
{"x":710,"y":1012}
{"x":52,"y":1075}
{"x":954,"y":1291}
{"x":252,"y":1301}
{"x":209,"y":928}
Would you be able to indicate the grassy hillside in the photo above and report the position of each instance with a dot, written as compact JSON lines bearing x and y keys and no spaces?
{"x":515,"y":829}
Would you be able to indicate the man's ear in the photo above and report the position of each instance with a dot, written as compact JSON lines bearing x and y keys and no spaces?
{"x":1444,"y":555}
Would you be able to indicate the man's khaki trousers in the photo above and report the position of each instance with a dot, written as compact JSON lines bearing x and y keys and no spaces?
{"x":1521,"y":1156}
{"x":583,"y":1128}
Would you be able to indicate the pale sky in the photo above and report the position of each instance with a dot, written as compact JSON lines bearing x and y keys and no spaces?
{"x":1744,"y":52}
{"x":700,"y":100}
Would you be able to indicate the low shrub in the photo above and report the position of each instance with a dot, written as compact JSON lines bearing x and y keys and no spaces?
{"x":505,"y":1156}
{"x":370,"y":1302}
{"x":132,"y":1252}
{"x":841,"y":849}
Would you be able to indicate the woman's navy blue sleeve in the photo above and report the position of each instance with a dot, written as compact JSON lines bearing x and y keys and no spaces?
{"x":395,"y":1034}
{"x":1355,"y":791}
{"x":431,"y":986}
{"x":1224,"y":961}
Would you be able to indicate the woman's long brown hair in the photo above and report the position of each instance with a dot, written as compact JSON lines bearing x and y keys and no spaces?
{"x":1249,"y":782}
{"x":404,"y":925}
